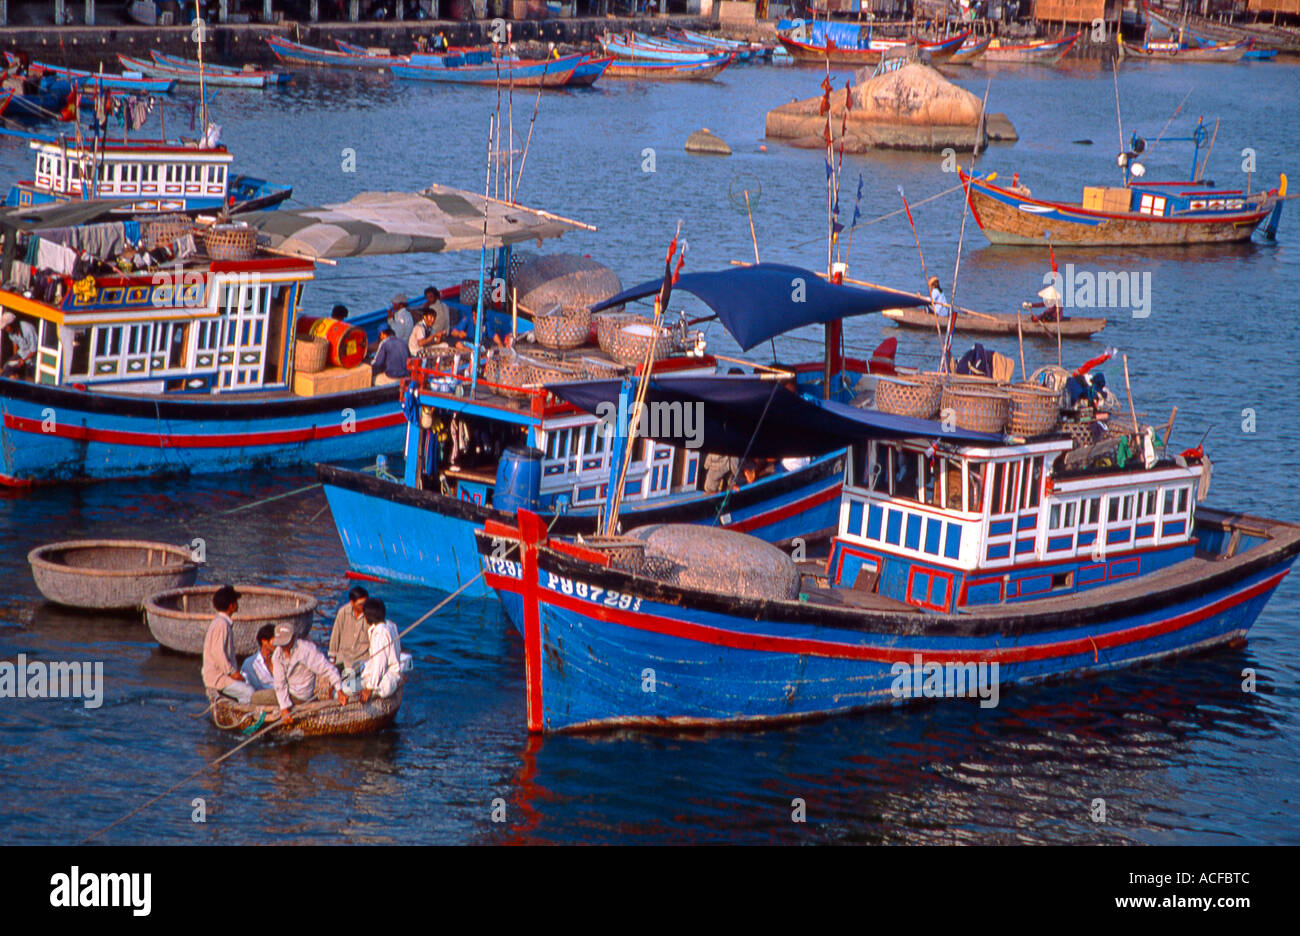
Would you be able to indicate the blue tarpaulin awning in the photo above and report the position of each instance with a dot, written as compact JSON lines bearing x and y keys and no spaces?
{"x":759,"y":302}
{"x":727,"y":419}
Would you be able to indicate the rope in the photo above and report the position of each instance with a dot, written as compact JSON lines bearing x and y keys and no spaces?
{"x":883,"y":217}
{"x":726,"y":498}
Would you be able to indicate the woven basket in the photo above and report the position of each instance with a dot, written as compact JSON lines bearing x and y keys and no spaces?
{"x":510,"y":371}
{"x":1079,"y":432}
{"x":164,"y":231}
{"x":563,"y":328}
{"x":609,"y":323}
{"x":311,"y":355}
{"x":630,"y":343}
{"x":918,"y":399}
{"x":1034,"y":409}
{"x":624,"y":552}
{"x":469,"y":294}
{"x":230,"y":242}
{"x":977,"y":410}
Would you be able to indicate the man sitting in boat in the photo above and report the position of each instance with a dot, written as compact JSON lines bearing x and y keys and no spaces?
{"x":349,"y":644}
{"x":22,"y":365}
{"x":389,"y":365}
{"x":431,"y":330}
{"x":938,"y":302}
{"x":302,"y":673}
{"x":257,"y":668}
{"x":220,"y":671}
{"x":1051,"y":305}
{"x":399,"y":318}
{"x":382,"y":673}
{"x":339,"y":313}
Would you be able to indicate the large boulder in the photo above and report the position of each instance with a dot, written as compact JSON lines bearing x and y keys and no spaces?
{"x":912,"y":107}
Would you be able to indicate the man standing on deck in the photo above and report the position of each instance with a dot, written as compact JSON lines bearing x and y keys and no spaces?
{"x":301,"y":673}
{"x":399,"y":319}
{"x":220,"y":671}
{"x":349,"y":645}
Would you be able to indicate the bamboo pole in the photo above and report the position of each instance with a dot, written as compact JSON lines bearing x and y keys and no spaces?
{"x":752,"y":236}
{"x":1020,"y":337}
{"x":1164,"y":443}
{"x":1128,"y":389}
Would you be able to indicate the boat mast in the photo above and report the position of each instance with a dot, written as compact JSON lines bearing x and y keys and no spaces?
{"x":203,"y":96}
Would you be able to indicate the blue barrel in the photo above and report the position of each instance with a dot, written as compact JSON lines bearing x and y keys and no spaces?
{"x":519,"y":480}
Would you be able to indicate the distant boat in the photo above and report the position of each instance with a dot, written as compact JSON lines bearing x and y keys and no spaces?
{"x":587,"y":72}
{"x":704,"y":70}
{"x":1038,"y":52}
{"x":869,"y":49}
{"x":184,"y":64}
{"x":1173,"y":50}
{"x":186,"y":76}
{"x":137,"y":82}
{"x":998,"y":323}
{"x":288,"y":51}
{"x":969,"y":51}
{"x":1269,"y":38}
{"x":478,"y":67}
{"x":46,"y":102}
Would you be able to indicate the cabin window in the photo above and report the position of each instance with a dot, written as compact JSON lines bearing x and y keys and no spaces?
{"x":1152,"y":205}
{"x":1092,"y":511}
{"x":1061,"y":515}
{"x":904,"y":474}
{"x":76,"y":350}
{"x":1033,"y":482}
{"x":975,"y":488}
{"x":952,"y":485}
{"x":935,"y":475}
{"x":108,"y":341}
{"x":1175,"y":500}
{"x":1126,"y":507}
{"x":1182,"y":500}
{"x":1147,"y":504}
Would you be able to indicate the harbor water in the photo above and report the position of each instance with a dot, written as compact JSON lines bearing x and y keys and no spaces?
{"x":1180,"y":753}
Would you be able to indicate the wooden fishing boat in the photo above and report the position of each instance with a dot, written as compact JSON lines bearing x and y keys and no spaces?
{"x":179,"y":617}
{"x":138,"y":83}
{"x":587,"y":72}
{"x":115,"y":575}
{"x":288,"y":51}
{"x":647,"y":50}
{"x":47,"y":101}
{"x":192,"y":65}
{"x":1268,"y":37}
{"x":1175,"y":51}
{"x":1037,"y":52}
{"x":869,"y":50}
{"x":969,"y":51}
{"x":705,"y":70}
{"x":1144,"y":214}
{"x":310,"y":719}
{"x":478,"y":68}
{"x":720,"y":44}
{"x":966,"y":561}
{"x":1253,"y":54}
{"x":998,"y":323}
{"x":236,"y":79}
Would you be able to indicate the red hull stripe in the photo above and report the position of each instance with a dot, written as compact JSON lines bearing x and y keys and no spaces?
{"x":223,"y":440}
{"x":700,"y":633}
{"x":789,"y":510}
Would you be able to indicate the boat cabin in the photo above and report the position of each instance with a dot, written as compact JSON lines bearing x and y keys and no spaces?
{"x":151,"y":176}
{"x":948,"y":527}
{"x":200,"y":327}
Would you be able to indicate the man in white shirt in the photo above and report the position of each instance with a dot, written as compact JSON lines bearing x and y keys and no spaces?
{"x":22,"y":366}
{"x":382,"y":673}
{"x":938,"y":301}
{"x":298,"y":669}
{"x":399,"y":318}
{"x":431,"y":331}
{"x":257,"y":668}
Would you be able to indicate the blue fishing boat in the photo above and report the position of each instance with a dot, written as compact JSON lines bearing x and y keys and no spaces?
{"x":140,"y":176}
{"x":232,"y":79}
{"x":136,"y":82}
{"x":191,"y":65}
{"x":964,"y":562}
{"x":476,"y":449}
{"x":196,"y":364}
{"x":477,"y":66}
{"x":622,"y":47}
{"x":589,"y":71}
{"x":287,"y":50}
{"x":44,"y":99}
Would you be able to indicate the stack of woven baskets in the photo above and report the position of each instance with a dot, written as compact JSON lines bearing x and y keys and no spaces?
{"x":235,"y":241}
{"x":562,"y":327}
{"x":630,"y":343}
{"x":977,"y":404}
{"x":165,"y":230}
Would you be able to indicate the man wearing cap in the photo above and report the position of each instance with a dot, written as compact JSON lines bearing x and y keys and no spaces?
{"x":382,"y":673}
{"x":220,"y":671}
{"x":938,"y":302}
{"x":399,"y":319}
{"x":298,"y":668}
{"x":22,"y":365}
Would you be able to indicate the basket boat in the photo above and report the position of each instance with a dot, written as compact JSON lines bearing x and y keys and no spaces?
{"x":166,"y":230}
{"x":631,"y":342}
{"x":918,"y":399}
{"x":116,"y":575}
{"x":565,"y":327}
{"x":310,"y":355}
{"x":179,"y":618}
{"x":230,"y":242}
{"x":1034,"y":410}
{"x":310,"y":719}
{"x":977,"y":409}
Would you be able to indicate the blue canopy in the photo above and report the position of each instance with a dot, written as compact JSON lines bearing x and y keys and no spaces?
{"x":732,"y":407}
{"x":759,"y":302}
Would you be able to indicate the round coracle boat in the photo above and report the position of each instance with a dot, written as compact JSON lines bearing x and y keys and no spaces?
{"x":117,"y":575}
{"x":310,"y":719}
{"x":179,"y":619}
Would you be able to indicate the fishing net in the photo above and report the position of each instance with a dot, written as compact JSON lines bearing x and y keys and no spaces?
{"x":715,"y":560}
{"x":567,"y":280}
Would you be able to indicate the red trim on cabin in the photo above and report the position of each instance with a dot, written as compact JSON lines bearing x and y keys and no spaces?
{"x":789,"y":510}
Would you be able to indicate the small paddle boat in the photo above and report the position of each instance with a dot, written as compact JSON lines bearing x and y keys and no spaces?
{"x":179,"y":618}
{"x":110,"y":575}
{"x":310,"y":719}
